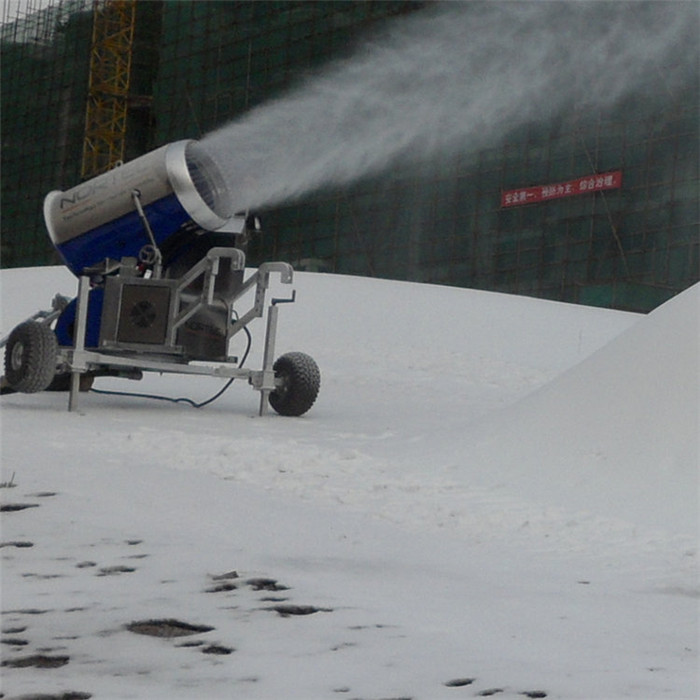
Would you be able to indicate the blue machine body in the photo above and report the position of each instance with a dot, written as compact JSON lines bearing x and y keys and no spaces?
{"x":116,"y":239}
{"x":65,"y":325}
{"x":177,"y":185}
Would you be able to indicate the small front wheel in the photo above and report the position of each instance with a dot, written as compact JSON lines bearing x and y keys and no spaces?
{"x":298,"y":381}
{"x":30,"y":357}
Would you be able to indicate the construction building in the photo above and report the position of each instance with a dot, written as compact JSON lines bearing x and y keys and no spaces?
{"x":597,"y":208}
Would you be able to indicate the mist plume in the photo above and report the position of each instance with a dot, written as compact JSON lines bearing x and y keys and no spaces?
{"x":454,"y":77}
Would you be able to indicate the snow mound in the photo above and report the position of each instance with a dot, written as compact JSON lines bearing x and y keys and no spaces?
{"x":617,"y":433}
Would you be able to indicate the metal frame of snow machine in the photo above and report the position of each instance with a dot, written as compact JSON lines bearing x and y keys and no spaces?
{"x":162,"y":311}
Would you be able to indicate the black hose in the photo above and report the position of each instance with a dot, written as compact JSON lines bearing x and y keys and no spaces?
{"x":184,"y":400}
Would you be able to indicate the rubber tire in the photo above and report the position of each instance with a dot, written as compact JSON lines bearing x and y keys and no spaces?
{"x":30,"y":357}
{"x":301,"y":383}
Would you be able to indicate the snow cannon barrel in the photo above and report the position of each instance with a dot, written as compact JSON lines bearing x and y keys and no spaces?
{"x":179,"y":188}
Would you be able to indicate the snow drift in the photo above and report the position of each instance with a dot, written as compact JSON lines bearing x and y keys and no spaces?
{"x":618,"y":433}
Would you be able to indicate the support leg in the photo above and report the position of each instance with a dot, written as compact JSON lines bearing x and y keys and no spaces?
{"x":78,"y":342}
{"x":268,"y":357}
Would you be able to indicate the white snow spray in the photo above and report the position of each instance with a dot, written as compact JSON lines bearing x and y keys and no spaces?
{"x":455,"y":77}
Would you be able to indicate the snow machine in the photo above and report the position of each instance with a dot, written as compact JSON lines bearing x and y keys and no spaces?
{"x":159,"y":257}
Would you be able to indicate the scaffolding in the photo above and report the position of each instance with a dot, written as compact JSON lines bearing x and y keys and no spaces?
{"x":108,"y":89}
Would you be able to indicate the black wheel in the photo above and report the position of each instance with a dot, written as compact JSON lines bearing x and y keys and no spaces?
{"x":30,"y":357}
{"x":299,"y":380}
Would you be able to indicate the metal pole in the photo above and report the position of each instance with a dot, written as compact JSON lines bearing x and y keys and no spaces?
{"x":268,"y":356}
{"x":78,"y":341}
{"x":158,"y":266}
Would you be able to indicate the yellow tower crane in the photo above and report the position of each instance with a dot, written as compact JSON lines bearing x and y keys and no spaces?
{"x":108,"y":89}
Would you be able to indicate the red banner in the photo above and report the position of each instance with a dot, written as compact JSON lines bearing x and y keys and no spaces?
{"x":543,"y":193}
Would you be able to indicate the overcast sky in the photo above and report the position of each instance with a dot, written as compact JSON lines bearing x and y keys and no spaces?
{"x":10,"y":8}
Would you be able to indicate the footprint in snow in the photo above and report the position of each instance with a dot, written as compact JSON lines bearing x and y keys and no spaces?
{"x":167,"y":628}
{"x":37,"y":661}
{"x":15,"y":507}
{"x":290,"y":610}
{"x":115,"y":570}
{"x":19,"y":545}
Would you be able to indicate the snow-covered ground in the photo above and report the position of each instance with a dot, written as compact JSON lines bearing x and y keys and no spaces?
{"x":493,"y":495}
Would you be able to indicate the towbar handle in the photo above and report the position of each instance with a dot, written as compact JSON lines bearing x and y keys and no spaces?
{"x":291,"y":299}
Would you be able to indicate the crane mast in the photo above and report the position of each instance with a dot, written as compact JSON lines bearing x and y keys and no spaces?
{"x":108,"y":88}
